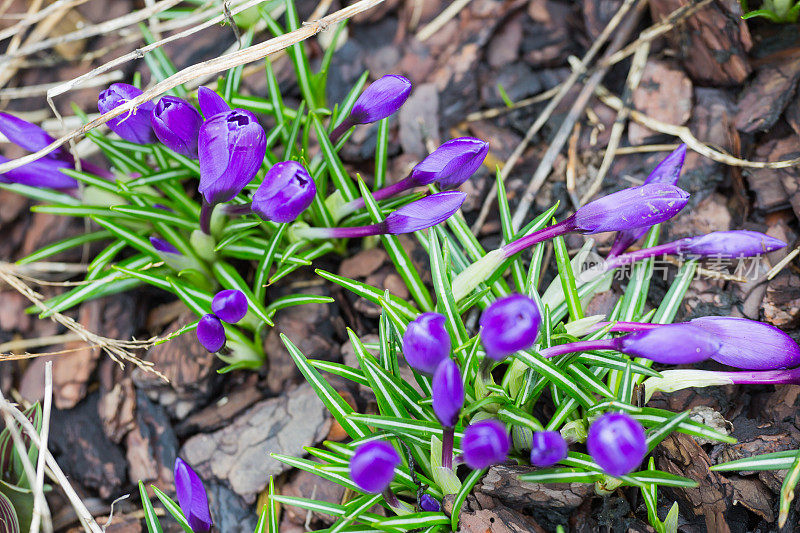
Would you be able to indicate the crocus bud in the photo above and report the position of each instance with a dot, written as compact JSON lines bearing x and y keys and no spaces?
{"x":229,"y":305}
{"x":447,"y":392}
{"x":429,"y":503}
{"x":372,"y":466}
{"x":211,"y":333}
{"x":426,"y":342}
{"x":749,"y":344}
{"x":192,"y":497}
{"x":135,"y":125}
{"x":675,"y":344}
{"x":424,"y":213}
{"x":485,"y":443}
{"x":450,"y":165}
{"x":30,"y":137}
{"x":287,"y":191}
{"x":382,"y":98}
{"x":729,"y":244}
{"x":635,"y":207}
{"x":547,"y":448}
{"x":177,"y":123}
{"x":43,"y":172}
{"x":509,"y":325}
{"x":617,"y":443}
{"x":231,"y":146}
{"x":163,"y":246}
{"x":211,"y":103}
{"x":667,"y":172}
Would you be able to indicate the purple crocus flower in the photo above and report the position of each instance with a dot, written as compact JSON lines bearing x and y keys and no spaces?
{"x":447,"y":392}
{"x":134,"y":126}
{"x":231,"y":146}
{"x":426,"y":342}
{"x":547,"y":448}
{"x":381,"y":99}
{"x":667,"y":172}
{"x":162,"y":245}
{"x":635,"y":207}
{"x":192,"y":497}
{"x":43,"y":172}
{"x":429,"y":503}
{"x":211,"y":333}
{"x":447,"y":167}
{"x":211,"y":103}
{"x":30,"y":137}
{"x":229,"y":305}
{"x":617,"y":443}
{"x":177,"y":123}
{"x":415,"y":216}
{"x":749,"y":344}
{"x":287,"y":191}
{"x":372,"y":466}
{"x":509,"y":325}
{"x":485,"y":443}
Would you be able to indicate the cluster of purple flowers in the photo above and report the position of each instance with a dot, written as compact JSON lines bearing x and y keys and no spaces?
{"x":227,"y":306}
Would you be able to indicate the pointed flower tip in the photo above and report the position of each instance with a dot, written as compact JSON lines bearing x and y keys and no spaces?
{"x":509,"y":325}
{"x":749,"y":344}
{"x":211,"y":333}
{"x":134,"y":126}
{"x":381,"y":99}
{"x":29,"y":136}
{"x":447,"y":392}
{"x":669,"y":170}
{"x":231,"y":148}
{"x":211,"y":103}
{"x":733,"y":244}
{"x":547,"y":448}
{"x":176,"y":123}
{"x":425,"y":212}
{"x":164,"y":246}
{"x":229,"y":305}
{"x":287,"y":191}
{"x":635,"y":207}
{"x":192,"y":497}
{"x":372,"y":466}
{"x":453,"y":163}
{"x":426,"y":342}
{"x":485,"y":443}
{"x":617,"y":443}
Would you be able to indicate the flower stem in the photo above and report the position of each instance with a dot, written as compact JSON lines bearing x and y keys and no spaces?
{"x":206,"y":209}
{"x":448,"y":435}
{"x":390,"y":498}
{"x":339,"y":233}
{"x":562,"y":228}
{"x":580,"y":346}
{"x":644,"y":253}
{"x":339,"y":130}
{"x":381,"y":194}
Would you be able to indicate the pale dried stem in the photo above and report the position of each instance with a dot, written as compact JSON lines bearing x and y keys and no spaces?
{"x":40,"y":463}
{"x":632,"y":83}
{"x":83,"y":513}
{"x":37,"y":342}
{"x":33,"y":18}
{"x":542,"y":119}
{"x":212,"y":66}
{"x":427,"y":31}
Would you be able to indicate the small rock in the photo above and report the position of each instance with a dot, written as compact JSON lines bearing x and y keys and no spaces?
{"x":152,"y":445}
{"x":238,"y":454}
{"x":228,"y":511}
{"x":713,"y":419}
{"x":782,"y":300}
{"x":221,"y":412}
{"x":771,"y":186}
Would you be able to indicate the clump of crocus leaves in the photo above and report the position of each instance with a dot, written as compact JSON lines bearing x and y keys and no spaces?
{"x":199,"y":185}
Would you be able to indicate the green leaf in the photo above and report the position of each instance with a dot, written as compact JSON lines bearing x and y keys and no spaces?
{"x":767,"y":461}
{"x":466,"y":488}
{"x":371,"y":293}
{"x":150,"y":518}
{"x":567,"y":277}
{"x":339,"y":408}
{"x":64,"y":245}
{"x":173,"y":509}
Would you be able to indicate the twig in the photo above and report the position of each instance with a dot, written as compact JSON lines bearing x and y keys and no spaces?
{"x":780,"y":265}
{"x":37,"y":342}
{"x":42,"y":89}
{"x":572,"y":157}
{"x":631,"y":84}
{"x":549,"y":157}
{"x":548,"y":110}
{"x":29,"y":20}
{"x":646,"y":148}
{"x":441,"y":19}
{"x":498,"y":111}
{"x":83,"y":513}
{"x":40,"y":462}
{"x":212,"y":66}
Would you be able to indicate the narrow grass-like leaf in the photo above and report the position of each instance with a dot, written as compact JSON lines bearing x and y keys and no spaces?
{"x":371,"y":293}
{"x":150,"y":518}
{"x":466,"y":488}
{"x":64,"y":245}
{"x":173,"y":509}
{"x":662,"y":431}
{"x":767,"y":461}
